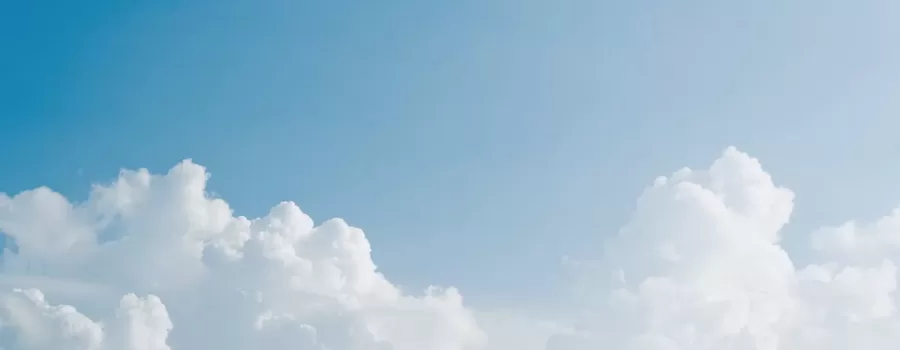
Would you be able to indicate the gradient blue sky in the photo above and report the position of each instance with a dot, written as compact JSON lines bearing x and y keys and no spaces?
{"x":476,"y":142}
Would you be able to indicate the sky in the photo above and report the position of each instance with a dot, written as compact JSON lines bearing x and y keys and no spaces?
{"x":478,"y":144}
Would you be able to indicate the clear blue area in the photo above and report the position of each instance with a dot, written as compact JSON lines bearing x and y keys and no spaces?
{"x":476,"y":142}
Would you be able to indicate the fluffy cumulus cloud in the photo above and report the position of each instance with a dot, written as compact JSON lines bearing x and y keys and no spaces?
{"x":153,"y":262}
{"x":700,"y":267}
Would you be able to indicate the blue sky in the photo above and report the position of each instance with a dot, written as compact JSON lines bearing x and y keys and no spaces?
{"x":476,"y":142}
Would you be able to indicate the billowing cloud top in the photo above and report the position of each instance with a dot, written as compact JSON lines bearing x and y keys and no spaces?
{"x":194,"y":276}
{"x":153,"y":262}
{"x":699,"y":267}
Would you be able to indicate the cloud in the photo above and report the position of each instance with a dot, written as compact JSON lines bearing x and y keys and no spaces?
{"x":153,"y":262}
{"x":700,"y":267}
{"x":188,"y":274}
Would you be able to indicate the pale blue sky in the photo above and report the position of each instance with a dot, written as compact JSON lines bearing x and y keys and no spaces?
{"x":476,"y":142}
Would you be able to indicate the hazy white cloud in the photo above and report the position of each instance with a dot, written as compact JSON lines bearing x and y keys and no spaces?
{"x":699,"y":266}
{"x":153,"y":262}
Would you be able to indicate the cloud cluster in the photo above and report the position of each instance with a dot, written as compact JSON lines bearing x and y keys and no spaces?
{"x":191,"y":275}
{"x":153,"y":262}
{"x":700,"y":267}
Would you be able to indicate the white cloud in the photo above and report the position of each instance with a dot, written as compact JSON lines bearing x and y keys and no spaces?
{"x":191,"y":275}
{"x":152,"y":262}
{"x":699,"y":267}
